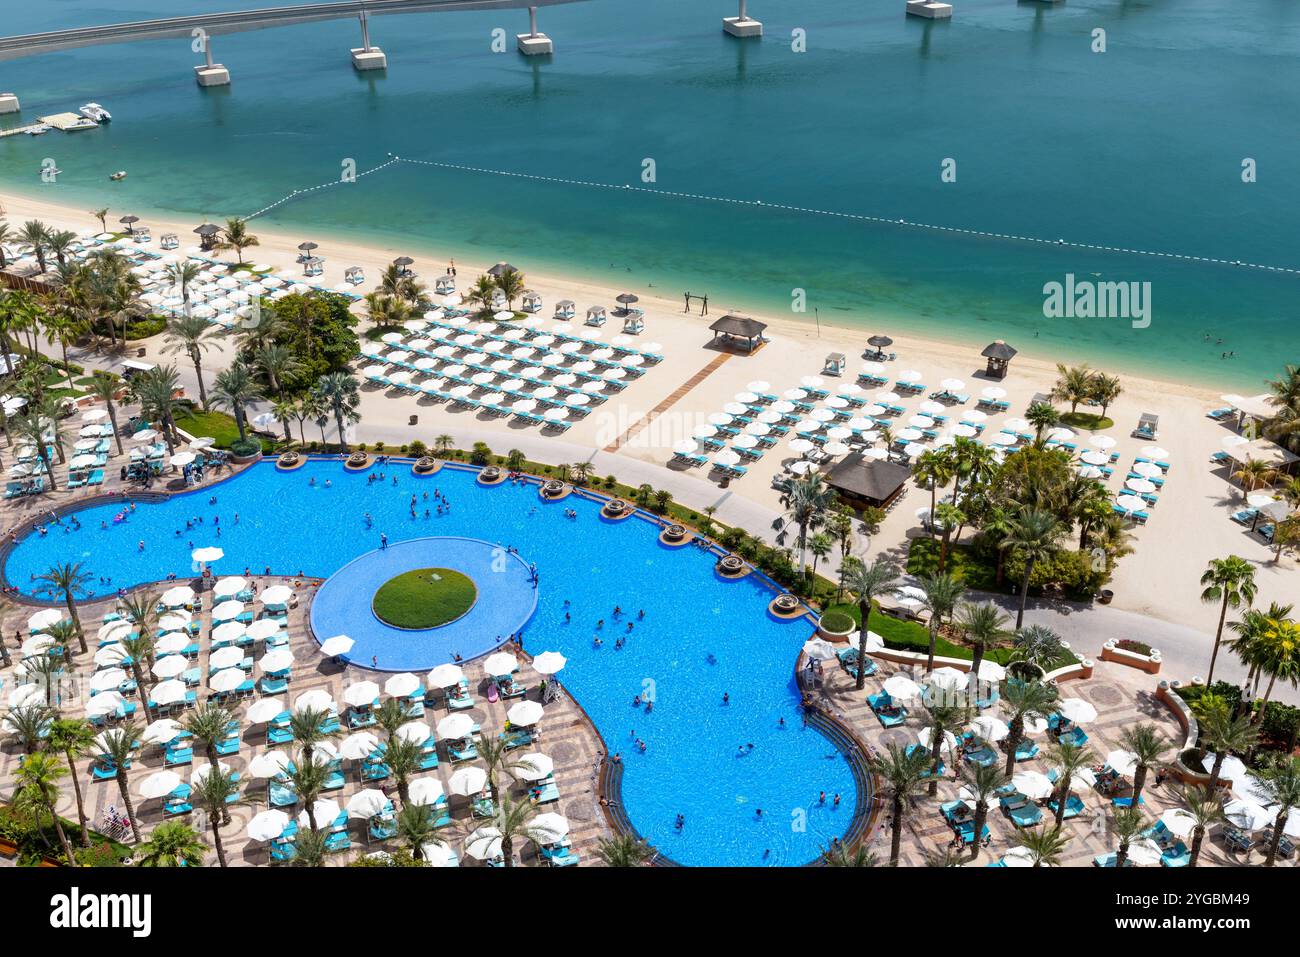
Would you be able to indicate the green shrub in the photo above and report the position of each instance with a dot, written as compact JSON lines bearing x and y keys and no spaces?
{"x":1133,"y":645}
{"x":244,"y":447}
{"x":1280,"y":722}
{"x":480,"y":454}
{"x":417,"y":448}
{"x":144,"y":328}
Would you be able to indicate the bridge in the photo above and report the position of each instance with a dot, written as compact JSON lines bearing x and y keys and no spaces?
{"x":201,"y":28}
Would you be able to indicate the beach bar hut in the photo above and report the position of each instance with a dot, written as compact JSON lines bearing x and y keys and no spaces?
{"x":445,"y":285}
{"x":500,"y":269}
{"x":999,"y":355}
{"x":208,"y":233}
{"x":595,"y":316}
{"x":834,"y":364}
{"x":530,"y":301}
{"x":862,"y":482}
{"x":732,"y":328}
{"x":565,"y":309}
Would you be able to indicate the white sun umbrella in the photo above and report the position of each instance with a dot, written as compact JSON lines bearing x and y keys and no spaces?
{"x":1004,"y":438}
{"x":577,"y":398}
{"x":525,"y":713}
{"x":317,"y":699}
{"x":444,"y":676}
{"x":952,"y":385}
{"x":1147,"y":469}
{"x":37,"y":644}
{"x":1292,"y":826}
{"x":359,"y":745}
{"x":82,"y":461}
{"x":1090,"y":471}
{"x":267,"y":825}
{"x":277,"y":595}
{"x":225,"y":657}
{"x":276,"y":660}
{"x":758,"y":429}
{"x":963,"y":430}
{"x":484,"y":844}
{"x":1018,"y":857}
{"x":926,"y":738}
{"x":1178,"y":822}
{"x":416,"y":732}
{"x":887,"y":396}
{"x":974,"y":416}
{"x":719,"y":418}
{"x":769,"y":417}
{"x":1102,"y":441}
{"x":501,"y":663}
{"x":93,"y":415}
{"x":401,"y":685}
{"x":1130,"y":503}
{"x":726,"y":457}
{"x":85,"y":445}
{"x":947,"y":678}
{"x":534,"y":766}
{"x":269,"y":764}
{"x":456,"y":725}
{"x":1017,"y":424}
{"x":161,"y":731}
{"x":794,"y":395}
{"x":836,"y":402}
{"x":734,"y":408}
{"x":801,"y":446}
{"x":819,"y":648}
{"x":810,"y":425}
{"x":547,"y":828}
{"x":45,"y":618}
{"x":159,"y":784}
{"x":101,"y":704}
{"x":802,"y":467}
{"x":169,"y":692}
{"x":1141,"y":486}
{"x":170,"y":666}
{"x":1033,"y":784}
{"x":226,"y":680}
{"x":325,"y":810}
{"x":1035,"y":725}
{"x":467,"y":780}
{"x":425,"y":791}
{"x":758,"y":385}
{"x":930,"y":407}
{"x":1094,"y":458}
{"x":821,"y":415}
{"x":990,"y":728}
{"x":366,"y":803}
{"x":172,"y":644}
{"x":229,"y":631}
{"x":901,"y":687}
{"x":1233,"y":768}
{"x":835,"y":448}
{"x":1122,"y":762}
{"x":1247,"y":815}
{"x":336,"y":645}
{"x":549,"y":662}
{"x":1145,"y":853}
{"x":33,"y":694}
{"x":1154,"y":452}
{"x":921,"y":421}
{"x":207,"y":554}
{"x":262,"y":629}
{"x":908,"y":435}
{"x":1076,"y":710}
{"x":744,"y":442}
{"x":839,"y":432}
{"x":227,"y":610}
{"x":991,"y":671}
{"x":230,"y":586}
{"x":556,"y":415}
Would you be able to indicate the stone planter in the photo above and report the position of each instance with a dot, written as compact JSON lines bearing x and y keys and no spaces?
{"x":836,"y":635}
{"x":246,"y":459}
{"x":674,"y":536}
{"x":731,"y":567}
{"x":553,"y":490}
{"x":1111,"y":651}
{"x":357,"y":461}
{"x":615,"y":510}
{"x":425,"y":465}
{"x":288,"y":461}
{"x":1105,"y":596}
{"x":786,"y":607}
{"x":490,"y":475}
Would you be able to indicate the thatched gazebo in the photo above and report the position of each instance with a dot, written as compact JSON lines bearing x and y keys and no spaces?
{"x":999,"y":355}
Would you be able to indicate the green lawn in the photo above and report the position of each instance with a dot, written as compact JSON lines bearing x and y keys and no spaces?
{"x":923,"y":559}
{"x":424,"y":598}
{"x":218,"y":425}
{"x":1087,"y":420}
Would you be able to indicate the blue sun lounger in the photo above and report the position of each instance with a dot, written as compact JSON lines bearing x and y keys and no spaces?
{"x":1074,"y":806}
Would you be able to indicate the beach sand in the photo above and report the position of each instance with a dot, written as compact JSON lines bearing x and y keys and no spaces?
{"x":1190,"y":526}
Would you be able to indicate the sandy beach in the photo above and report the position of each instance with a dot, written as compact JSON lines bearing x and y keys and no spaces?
{"x":1160,"y":579}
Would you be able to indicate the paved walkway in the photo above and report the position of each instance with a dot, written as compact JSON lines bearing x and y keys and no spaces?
{"x":669,"y":401}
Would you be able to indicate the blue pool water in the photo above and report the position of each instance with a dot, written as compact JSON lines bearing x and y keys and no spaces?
{"x":692,"y":765}
{"x":505,"y":601}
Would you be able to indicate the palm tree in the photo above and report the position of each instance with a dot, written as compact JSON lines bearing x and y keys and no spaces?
{"x":948,"y":517}
{"x":193,"y":336}
{"x":444,"y":443}
{"x":514,"y":819}
{"x":1128,"y":824}
{"x":390,"y":716}
{"x":1025,"y":701}
{"x":75,"y":738}
{"x":1042,"y":417}
{"x":1252,"y":474}
{"x":118,"y":744}
{"x":982,"y":627}
{"x":237,"y":237}
{"x":286,"y":410}
{"x":209,"y":725}
{"x":67,"y":581}
{"x":1034,"y":535}
{"x":931,"y":469}
{"x":233,"y":389}
{"x":46,"y":670}
{"x":1268,"y":643}
{"x":1224,"y":733}
{"x":482,"y":293}
{"x":819,"y":544}
{"x":624,"y":850}
{"x":309,"y":727}
{"x":415,"y":828}
{"x":58,"y":242}
{"x":1280,"y":786}
{"x":940,"y":593}
{"x":1230,"y":582}
{"x":839,"y":525}
{"x":102,"y":216}
{"x":155,"y":390}
{"x":1045,"y":847}
{"x":172,"y":844}
{"x":30,"y":724}
{"x":277,"y":362}
{"x":182,"y":274}
{"x":867,"y":582}
{"x":1205,"y":810}
{"x":806,"y":502}
{"x":217,"y":791}
{"x":511,"y":285}
{"x":499,"y":759}
{"x":34,"y":236}
{"x":309,"y":849}
{"x":307,"y":777}
{"x":39,"y":426}
{"x":1069,"y":759}
{"x":139,"y":648}
{"x":341,"y":393}
{"x":1105,"y":390}
{"x":64,"y":328}
{"x":983,"y":782}
{"x":1073,"y":385}
{"x":7,"y":236}
{"x":901,"y":775}
{"x":105,"y":387}
{"x":38,"y":778}
{"x":1037,"y":645}
{"x":403,"y":758}
{"x":945,"y":719}
{"x":1149,"y":747}
{"x":841,"y":856}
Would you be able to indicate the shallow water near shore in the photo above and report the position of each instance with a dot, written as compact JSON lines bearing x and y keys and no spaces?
{"x":1139,"y":147}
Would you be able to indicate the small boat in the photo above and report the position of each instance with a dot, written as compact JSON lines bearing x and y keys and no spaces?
{"x":93,"y":111}
{"x":120,"y":174}
{"x":38,"y":129}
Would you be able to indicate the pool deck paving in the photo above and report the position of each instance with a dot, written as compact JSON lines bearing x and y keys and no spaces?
{"x":566,"y":735}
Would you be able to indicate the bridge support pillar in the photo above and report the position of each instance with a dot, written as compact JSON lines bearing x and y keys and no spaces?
{"x":209,"y":73}
{"x":368,"y":57}
{"x":533,"y":43}
{"x":9,"y":103}
{"x":742,"y":25}
{"x":930,"y":9}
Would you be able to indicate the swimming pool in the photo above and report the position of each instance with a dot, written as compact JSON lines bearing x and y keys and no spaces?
{"x":700,"y":637}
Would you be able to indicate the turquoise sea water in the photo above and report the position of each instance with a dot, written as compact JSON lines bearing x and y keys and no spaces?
{"x":717,"y":764}
{"x":1137,"y":147}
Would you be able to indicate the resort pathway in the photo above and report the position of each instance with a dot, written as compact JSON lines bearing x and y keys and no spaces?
{"x":669,"y":400}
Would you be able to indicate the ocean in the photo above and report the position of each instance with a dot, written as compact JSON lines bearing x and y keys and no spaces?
{"x":778,"y":175}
